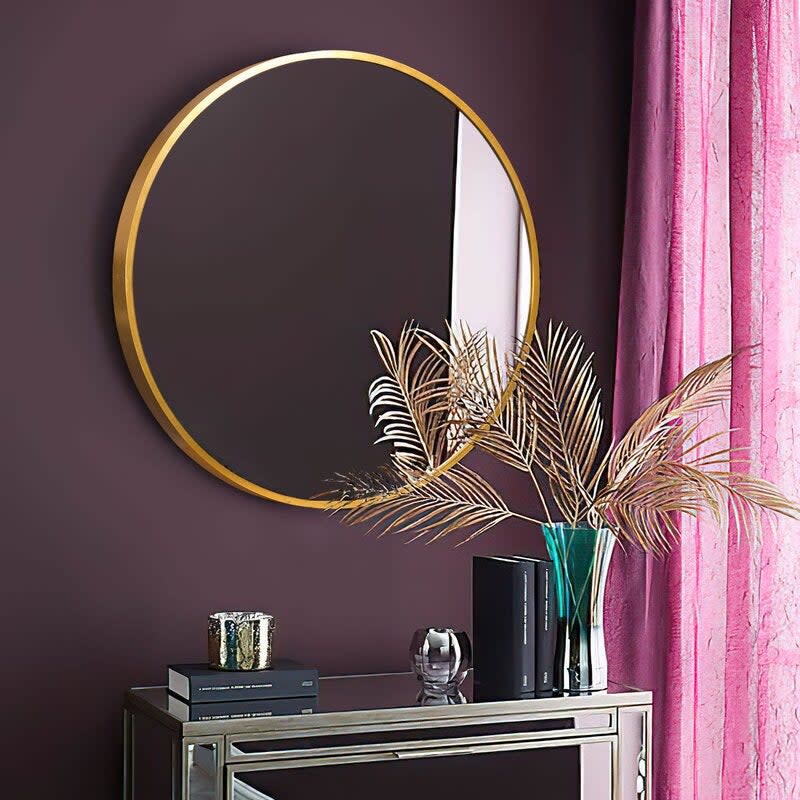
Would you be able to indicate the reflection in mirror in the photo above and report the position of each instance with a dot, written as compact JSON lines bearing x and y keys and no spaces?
{"x":299,"y":208}
{"x":445,"y":773}
{"x":203,"y":772}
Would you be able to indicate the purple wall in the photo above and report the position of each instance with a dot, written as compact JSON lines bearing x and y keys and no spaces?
{"x":115,"y":545}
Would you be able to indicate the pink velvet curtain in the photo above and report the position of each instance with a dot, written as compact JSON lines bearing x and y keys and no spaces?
{"x":711,"y":263}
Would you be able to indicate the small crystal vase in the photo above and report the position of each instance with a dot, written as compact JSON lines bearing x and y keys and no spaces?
{"x":580,"y":558}
{"x":440,"y":657}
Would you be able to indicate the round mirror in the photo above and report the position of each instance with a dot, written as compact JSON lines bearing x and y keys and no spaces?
{"x":284,"y":213}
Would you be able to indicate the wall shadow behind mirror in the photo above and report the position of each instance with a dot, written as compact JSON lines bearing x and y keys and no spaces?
{"x":302,"y":208}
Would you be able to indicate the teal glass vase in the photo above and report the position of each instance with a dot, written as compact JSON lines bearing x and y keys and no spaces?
{"x":580,"y":559}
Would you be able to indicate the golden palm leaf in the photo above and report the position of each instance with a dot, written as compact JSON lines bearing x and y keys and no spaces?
{"x":641,"y":506}
{"x":660,"y":465}
{"x":408,"y":400}
{"x":509,"y":435}
{"x":660,"y":424}
{"x":348,"y":486}
{"x":748,"y":497}
{"x":435,"y":506}
{"x":561,"y":387}
{"x":676,"y":487}
{"x":436,"y":395}
{"x":482,"y":409}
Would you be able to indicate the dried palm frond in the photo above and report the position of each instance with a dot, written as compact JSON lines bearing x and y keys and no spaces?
{"x":437,"y":395}
{"x":561,"y":387}
{"x":749,"y":498}
{"x":349,"y":486}
{"x":435,"y":506}
{"x":498,"y":421}
{"x":409,"y":401}
{"x":656,"y":428}
{"x":659,"y":466}
{"x":640,"y":507}
{"x":675,"y":487}
{"x":509,"y":436}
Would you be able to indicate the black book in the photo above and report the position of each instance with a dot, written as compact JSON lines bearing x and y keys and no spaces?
{"x":198,"y":683}
{"x":240,"y":709}
{"x":504,"y":650}
{"x":544,"y":625}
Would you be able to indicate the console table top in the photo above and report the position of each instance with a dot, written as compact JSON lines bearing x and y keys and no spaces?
{"x":384,"y":699}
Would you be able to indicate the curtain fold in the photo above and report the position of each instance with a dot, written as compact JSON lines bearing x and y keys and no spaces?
{"x":710,"y":264}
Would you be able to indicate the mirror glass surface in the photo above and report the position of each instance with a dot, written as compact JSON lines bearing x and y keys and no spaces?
{"x":300,"y":208}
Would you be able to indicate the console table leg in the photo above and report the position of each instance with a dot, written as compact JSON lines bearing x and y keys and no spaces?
{"x":128,"y":743}
{"x":180,"y":769}
{"x":634,"y":753}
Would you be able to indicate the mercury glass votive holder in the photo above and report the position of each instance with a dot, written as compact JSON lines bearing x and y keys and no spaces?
{"x":240,"y":640}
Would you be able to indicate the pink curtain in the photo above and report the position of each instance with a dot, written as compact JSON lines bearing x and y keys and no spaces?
{"x":711,"y":263}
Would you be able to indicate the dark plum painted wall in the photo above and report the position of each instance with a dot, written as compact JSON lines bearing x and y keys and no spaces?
{"x":114,"y":544}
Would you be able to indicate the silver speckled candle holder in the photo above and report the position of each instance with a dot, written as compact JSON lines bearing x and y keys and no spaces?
{"x":240,"y":640}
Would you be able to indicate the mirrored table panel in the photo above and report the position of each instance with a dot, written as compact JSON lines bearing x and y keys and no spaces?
{"x":374,"y":736}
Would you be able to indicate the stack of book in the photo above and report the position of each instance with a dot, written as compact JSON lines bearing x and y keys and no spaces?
{"x":514,"y":627}
{"x":197,"y":692}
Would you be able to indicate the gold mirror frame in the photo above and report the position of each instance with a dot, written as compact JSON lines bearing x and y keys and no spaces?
{"x":128,"y":227}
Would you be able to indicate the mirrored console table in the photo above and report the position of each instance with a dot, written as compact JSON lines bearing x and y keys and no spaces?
{"x":367,"y":736}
